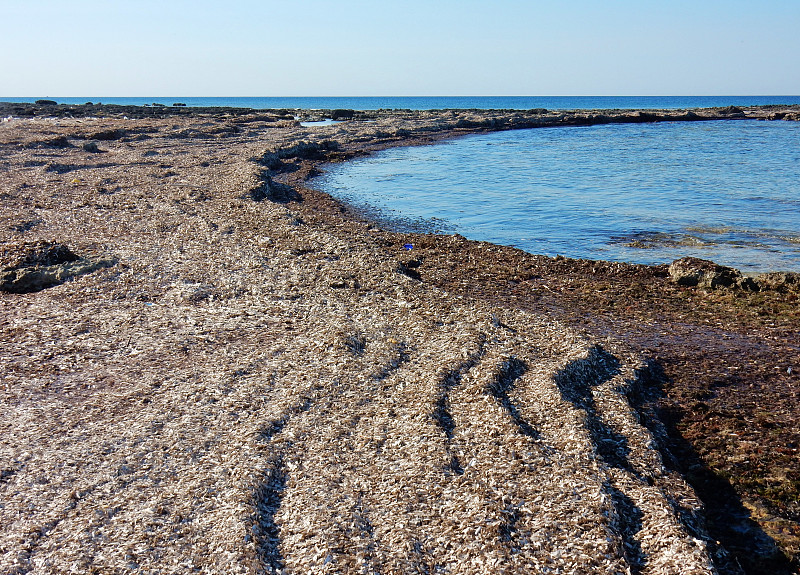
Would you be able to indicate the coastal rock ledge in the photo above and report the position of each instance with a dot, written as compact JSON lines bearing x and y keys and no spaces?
{"x":251,"y":391}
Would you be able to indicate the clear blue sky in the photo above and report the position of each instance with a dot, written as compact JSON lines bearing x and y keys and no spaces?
{"x":386,"y":47}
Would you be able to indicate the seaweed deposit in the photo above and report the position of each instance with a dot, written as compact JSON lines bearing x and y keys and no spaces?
{"x":241,"y":388}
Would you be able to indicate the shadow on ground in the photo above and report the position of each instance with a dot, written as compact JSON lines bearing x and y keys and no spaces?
{"x":739,"y":544}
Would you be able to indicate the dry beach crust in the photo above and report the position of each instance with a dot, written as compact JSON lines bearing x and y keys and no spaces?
{"x":225,"y":370}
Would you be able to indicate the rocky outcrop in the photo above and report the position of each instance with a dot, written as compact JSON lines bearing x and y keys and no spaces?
{"x":275,"y":160}
{"x":342,"y":114}
{"x":92,"y":147}
{"x":731,"y":112}
{"x":108,"y":135}
{"x":779,"y":281}
{"x":707,"y":274}
{"x":284,"y":160}
{"x":29,"y":268}
{"x":696,"y":272}
{"x":268,"y":189}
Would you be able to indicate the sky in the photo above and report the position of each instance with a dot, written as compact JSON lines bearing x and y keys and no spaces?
{"x":76,"y":48}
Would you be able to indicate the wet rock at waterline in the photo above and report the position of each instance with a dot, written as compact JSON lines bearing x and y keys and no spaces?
{"x":693,"y":272}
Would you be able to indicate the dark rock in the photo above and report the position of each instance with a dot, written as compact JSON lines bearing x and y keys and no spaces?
{"x":641,"y":116}
{"x":29,"y":268}
{"x":179,"y":105}
{"x":92,"y":147}
{"x":779,"y":281}
{"x":408,"y":270}
{"x":274,"y":191}
{"x":705,"y":273}
{"x":61,"y":142}
{"x":732,"y":111}
{"x":108,"y":135}
{"x":46,"y":103}
{"x":301,"y":150}
{"x":29,"y":280}
{"x":342,"y":114}
{"x":39,"y":253}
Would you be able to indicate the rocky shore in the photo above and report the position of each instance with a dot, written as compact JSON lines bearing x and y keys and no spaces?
{"x":208,"y":365}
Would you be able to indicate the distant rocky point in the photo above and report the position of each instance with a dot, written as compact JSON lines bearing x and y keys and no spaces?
{"x":51,"y":108}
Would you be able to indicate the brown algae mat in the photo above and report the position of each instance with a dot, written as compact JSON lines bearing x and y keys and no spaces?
{"x":205,"y":369}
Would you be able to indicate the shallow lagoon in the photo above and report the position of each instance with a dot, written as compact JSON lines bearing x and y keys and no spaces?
{"x":646,"y":193}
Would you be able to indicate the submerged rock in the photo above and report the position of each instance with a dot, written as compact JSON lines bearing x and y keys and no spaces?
{"x":705,"y":273}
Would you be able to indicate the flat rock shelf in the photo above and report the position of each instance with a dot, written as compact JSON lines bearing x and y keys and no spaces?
{"x":256,"y":380}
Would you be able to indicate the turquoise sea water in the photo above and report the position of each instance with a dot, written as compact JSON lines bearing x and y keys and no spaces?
{"x":644,"y":193}
{"x":443,"y":102}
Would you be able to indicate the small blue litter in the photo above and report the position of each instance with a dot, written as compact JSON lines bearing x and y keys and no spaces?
{"x":408,"y":246}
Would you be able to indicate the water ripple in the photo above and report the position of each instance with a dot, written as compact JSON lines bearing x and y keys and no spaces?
{"x":644,"y":193}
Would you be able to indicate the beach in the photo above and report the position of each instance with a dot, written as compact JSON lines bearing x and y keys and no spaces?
{"x":209,"y":365}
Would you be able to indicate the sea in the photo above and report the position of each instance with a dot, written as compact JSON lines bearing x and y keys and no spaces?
{"x":436,"y":102}
{"x":728,"y":191}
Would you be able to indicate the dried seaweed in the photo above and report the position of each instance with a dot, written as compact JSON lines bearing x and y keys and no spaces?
{"x":221,"y":401}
